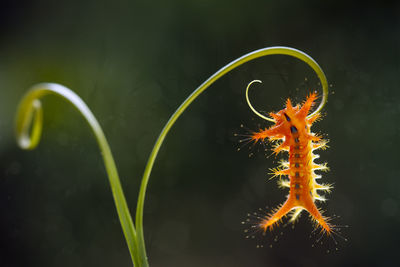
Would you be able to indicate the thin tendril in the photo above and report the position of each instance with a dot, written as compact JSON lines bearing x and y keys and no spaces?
{"x":251,"y":106}
{"x":30,"y":116}
{"x":278,"y":50}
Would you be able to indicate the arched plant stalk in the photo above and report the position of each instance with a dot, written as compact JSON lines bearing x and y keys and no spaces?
{"x":29,"y":126}
{"x":28,"y":132}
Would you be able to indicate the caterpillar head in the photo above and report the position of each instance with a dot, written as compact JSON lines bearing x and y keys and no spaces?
{"x":292,"y":120}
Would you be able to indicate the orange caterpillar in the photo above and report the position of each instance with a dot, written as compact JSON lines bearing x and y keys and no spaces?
{"x":293,"y":127}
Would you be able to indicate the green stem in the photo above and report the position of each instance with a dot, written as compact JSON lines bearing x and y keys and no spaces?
{"x":30,"y":116}
{"x":250,"y":56}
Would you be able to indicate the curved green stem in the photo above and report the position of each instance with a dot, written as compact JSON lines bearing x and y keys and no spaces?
{"x":28,"y":130}
{"x":279,"y":50}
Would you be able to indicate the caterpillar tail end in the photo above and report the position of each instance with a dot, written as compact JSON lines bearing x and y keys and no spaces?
{"x":274,"y":218}
{"x":324,"y":225}
{"x":321,"y":221}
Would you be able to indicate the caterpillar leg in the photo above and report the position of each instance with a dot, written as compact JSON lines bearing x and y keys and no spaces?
{"x":295,"y":214}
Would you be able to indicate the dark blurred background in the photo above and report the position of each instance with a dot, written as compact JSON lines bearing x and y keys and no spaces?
{"x":134,"y":62}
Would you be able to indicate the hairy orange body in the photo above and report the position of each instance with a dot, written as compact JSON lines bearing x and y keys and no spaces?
{"x":293,"y":127}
